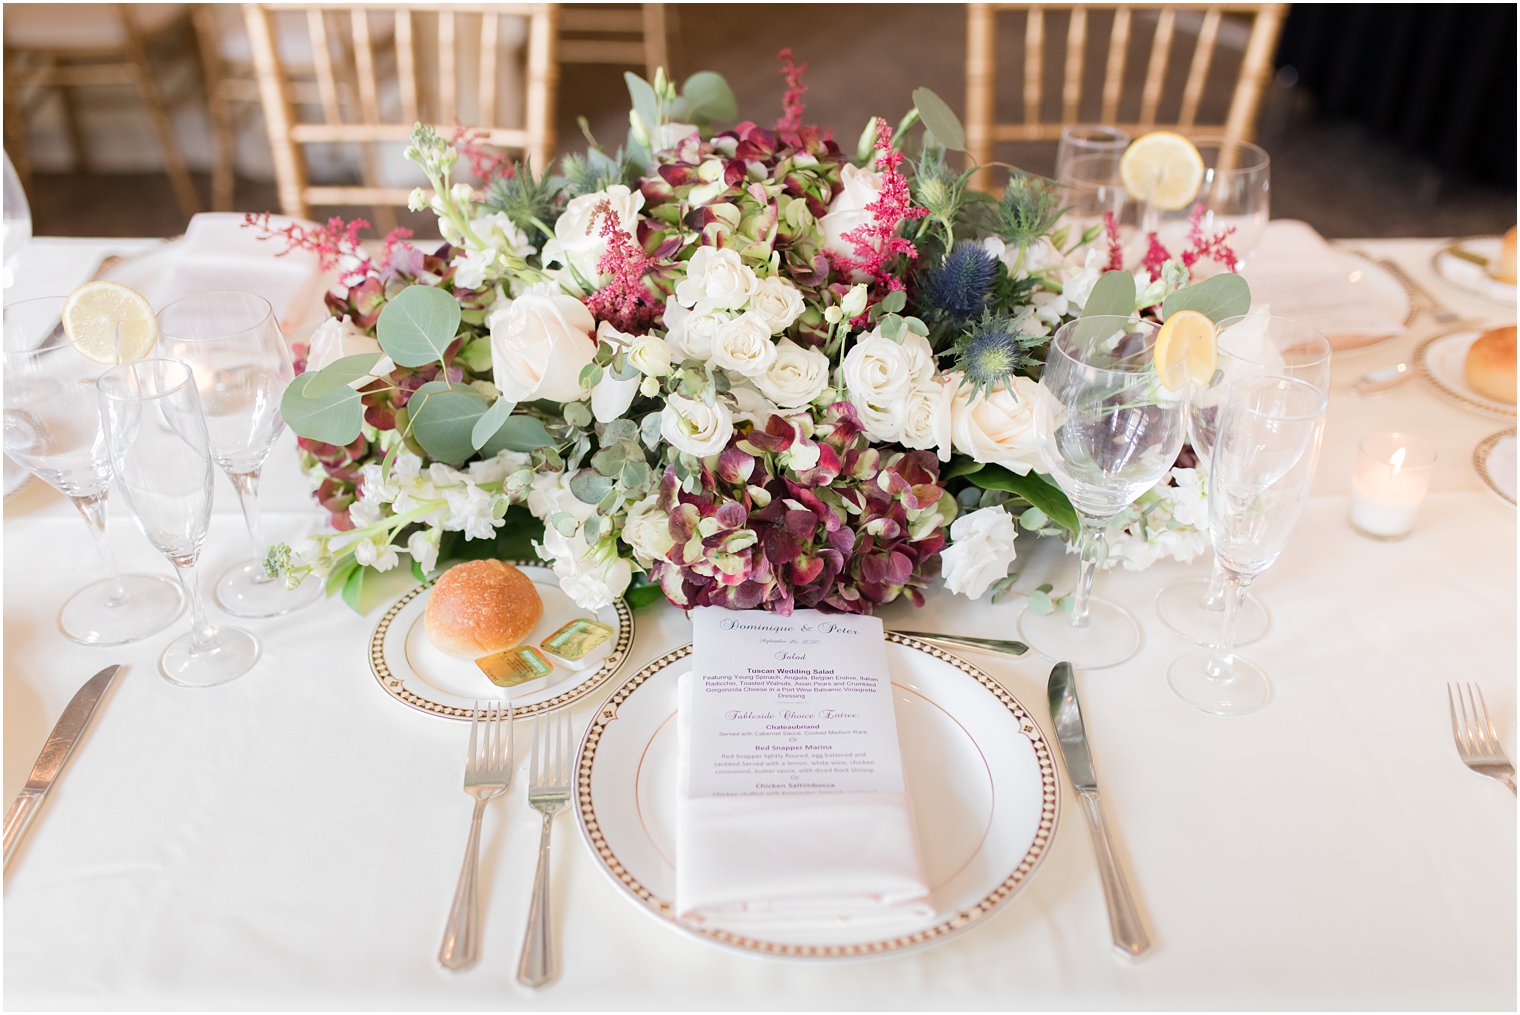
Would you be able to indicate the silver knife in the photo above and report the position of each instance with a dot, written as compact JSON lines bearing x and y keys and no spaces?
{"x":1124,"y":918}
{"x":1013,"y":648}
{"x":55,"y":754}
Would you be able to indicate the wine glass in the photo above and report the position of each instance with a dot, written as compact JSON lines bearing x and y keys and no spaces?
{"x":1093,"y":192}
{"x":17,"y":221}
{"x":162,"y":457}
{"x":1235,"y":196}
{"x":53,"y":430}
{"x":234,"y":347}
{"x":1252,"y":345}
{"x":1081,"y":139}
{"x":1108,"y":430}
{"x":1264,"y":459}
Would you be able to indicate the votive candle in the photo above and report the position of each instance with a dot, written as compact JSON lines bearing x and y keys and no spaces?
{"x":1389,"y":483}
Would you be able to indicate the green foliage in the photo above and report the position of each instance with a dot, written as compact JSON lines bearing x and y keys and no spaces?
{"x":418,"y":325}
{"x":939,"y":119}
{"x":1030,"y":207}
{"x":706,"y":99}
{"x":490,"y":422}
{"x":341,"y":373}
{"x":526,"y":198}
{"x":643,"y":593}
{"x":596,"y":171}
{"x":1034,"y":488}
{"x":513,"y":540}
{"x":443,"y":418}
{"x":518,"y":433}
{"x":1217,"y":298}
{"x":334,"y":417}
{"x":1112,"y":296}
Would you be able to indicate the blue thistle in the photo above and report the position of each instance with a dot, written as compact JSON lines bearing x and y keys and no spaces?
{"x":963,"y":283}
{"x":993,"y":350}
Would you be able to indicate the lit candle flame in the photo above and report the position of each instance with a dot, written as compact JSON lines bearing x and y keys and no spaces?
{"x":1397,"y":460}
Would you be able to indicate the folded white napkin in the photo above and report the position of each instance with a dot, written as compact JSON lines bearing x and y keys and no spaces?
{"x":1300,"y":276}
{"x":754,"y":863}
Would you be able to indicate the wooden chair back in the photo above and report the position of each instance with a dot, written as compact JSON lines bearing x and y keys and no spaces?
{"x":631,"y":35}
{"x":1133,"y":44}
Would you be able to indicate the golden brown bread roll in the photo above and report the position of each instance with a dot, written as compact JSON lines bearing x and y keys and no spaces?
{"x":1503,"y":266}
{"x":1490,"y":365}
{"x":480,"y":607}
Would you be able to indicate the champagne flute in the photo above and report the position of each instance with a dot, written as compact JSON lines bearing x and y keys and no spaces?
{"x":1264,"y":459}
{"x":1108,"y":430}
{"x":165,"y":474}
{"x":233,"y":345}
{"x":1253,"y":345}
{"x":1235,"y":195}
{"x":53,"y":430}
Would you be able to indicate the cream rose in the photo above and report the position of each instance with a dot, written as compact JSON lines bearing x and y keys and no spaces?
{"x":847,"y":211}
{"x":691,"y":333}
{"x":796,"y":377}
{"x":695,"y":427}
{"x":716,"y":280}
{"x":879,"y":371}
{"x":744,"y":345}
{"x":578,"y":242}
{"x":335,"y":339}
{"x":646,"y":528}
{"x":540,"y":342}
{"x":925,"y":417}
{"x":778,"y":301}
{"x":650,"y":355}
{"x":999,"y":426}
{"x":980,"y":551}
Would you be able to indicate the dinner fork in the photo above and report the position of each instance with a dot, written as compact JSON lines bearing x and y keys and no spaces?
{"x":1477,"y":740}
{"x":548,"y":792}
{"x":487,"y":774}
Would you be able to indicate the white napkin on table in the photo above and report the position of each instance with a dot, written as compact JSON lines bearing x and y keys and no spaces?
{"x":1302,"y":277}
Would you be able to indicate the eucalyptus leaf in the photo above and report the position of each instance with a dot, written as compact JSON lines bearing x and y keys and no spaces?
{"x":520,"y":433}
{"x":893,"y":302}
{"x":417,"y":325}
{"x":588,"y":487}
{"x":645,"y":102}
{"x":341,"y":373}
{"x":940,"y":119}
{"x":1032,"y":487}
{"x":1217,"y":298}
{"x":577,"y":414}
{"x":709,"y":99}
{"x":1112,"y":296}
{"x":333,"y":418}
{"x":490,"y":421}
{"x":444,"y":418}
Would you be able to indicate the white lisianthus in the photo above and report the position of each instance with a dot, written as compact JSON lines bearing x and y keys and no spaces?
{"x":926,"y":415}
{"x":777,"y":301}
{"x":997,"y":427}
{"x":1189,"y":498}
{"x":750,"y":406}
{"x":646,"y":528}
{"x":611,"y":397}
{"x":744,"y":345}
{"x":650,"y":355}
{"x":423,"y":546}
{"x":695,"y":427}
{"x":540,"y":342}
{"x":796,"y":376}
{"x":980,"y":551}
{"x":578,"y":242}
{"x":1078,"y":286}
{"x":716,"y":279}
{"x":847,"y":211}
{"x":334,"y":339}
{"x":854,"y":302}
{"x":496,"y":234}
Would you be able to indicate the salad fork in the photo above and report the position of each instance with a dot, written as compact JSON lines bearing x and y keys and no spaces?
{"x":487,"y":774}
{"x":548,"y":792}
{"x":1477,"y":740}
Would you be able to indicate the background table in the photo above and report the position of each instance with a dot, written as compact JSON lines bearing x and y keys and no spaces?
{"x":292,"y":839}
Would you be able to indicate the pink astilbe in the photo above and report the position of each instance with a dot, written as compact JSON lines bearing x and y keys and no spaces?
{"x":1201,"y":247}
{"x":877,"y":242}
{"x":331,"y":242}
{"x":486,"y":163}
{"x":791,"y":102}
{"x":1156,"y":256}
{"x":1115,"y":248}
{"x":624,"y":300}
{"x":394,"y":239}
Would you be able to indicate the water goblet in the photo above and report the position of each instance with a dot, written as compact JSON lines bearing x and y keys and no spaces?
{"x":234,"y":347}
{"x":1253,"y":345}
{"x":1108,"y":430}
{"x":1264,"y":459}
{"x":161,"y":454}
{"x":1083,"y":139}
{"x":53,"y":430}
{"x":1094,"y":196}
{"x":1234,"y":198}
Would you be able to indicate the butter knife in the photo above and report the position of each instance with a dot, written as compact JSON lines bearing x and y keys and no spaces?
{"x":1124,"y":918}
{"x":1013,"y":648}
{"x":55,"y":755}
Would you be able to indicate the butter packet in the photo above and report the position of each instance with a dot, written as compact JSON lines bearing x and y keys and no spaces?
{"x":515,"y":666}
{"x":580,"y":643}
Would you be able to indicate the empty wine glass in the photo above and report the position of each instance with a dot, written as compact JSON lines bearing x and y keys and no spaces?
{"x":162,"y":456}
{"x":1082,"y":139}
{"x":1253,"y":345}
{"x":1093,"y":195}
{"x":1234,"y":198}
{"x":17,"y":221}
{"x":1108,"y":431}
{"x":1264,"y":459}
{"x":241,"y":364}
{"x":53,"y":430}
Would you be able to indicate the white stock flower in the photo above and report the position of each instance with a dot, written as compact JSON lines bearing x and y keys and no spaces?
{"x":716,"y":279}
{"x":595,"y":585}
{"x":540,"y":343}
{"x":1189,"y":498}
{"x":550,"y":495}
{"x":646,"y":529}
{"x":847,"y":211}
{"x":376,"y":553}
{"x":578,"y":242}
{"x":998,"y":427}
{"x":743,"y":345}
{"x":695,"y":427}
{"x":980,"y":551}
{"x":498,"y":467}
{"x":1078,"y":286}
{"x":423,"y":546}
{"x":470,"y":511}
{"x":777,"y":301}
{"x":796,"y":376}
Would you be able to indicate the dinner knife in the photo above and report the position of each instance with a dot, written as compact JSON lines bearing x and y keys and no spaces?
{"x":1124,"y":918}
{"x":1013,"y":648}
{"x":55,"y":754}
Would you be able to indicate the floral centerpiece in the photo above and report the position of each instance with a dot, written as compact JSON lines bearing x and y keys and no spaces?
{"x":726,"y":363}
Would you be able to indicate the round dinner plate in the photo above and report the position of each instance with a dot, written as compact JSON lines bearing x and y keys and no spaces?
{"x":411,"y":669}
{"x":1369,"y":282}
{"x":1441,"y":360}
{"x":980,"y":777}
{"x":1494,"y":458}
{"x":1470,"y":277}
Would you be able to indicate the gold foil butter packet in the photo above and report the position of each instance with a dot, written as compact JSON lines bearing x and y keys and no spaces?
{"x":577,"y":641}
{"x":515,"y":666}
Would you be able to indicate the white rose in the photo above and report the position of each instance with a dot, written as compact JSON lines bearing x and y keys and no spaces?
{"x":715,"y":279}
{"x":695,"y":427}
{"x":796,"y":377}
{"x":335,"y":339}
{"x":539,"y":345}
{"x":778,"y":301}
{"x":847,"y":211}
{"x":925,"y":416}
{"x":998,"y":427}
{"x":878,"y":373}
{"x":593,"y":585}
{"x":744,"y":345}
{"x":980,"y":551}
{"x":578,"y":242}
{"x":691,"y":333}
{"x":646,"y":528}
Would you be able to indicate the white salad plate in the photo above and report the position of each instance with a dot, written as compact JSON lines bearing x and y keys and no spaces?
{"x":980,"y":776}
{"x":414,"y":671}
{"x":1442,"y":360}
{"x":1469,"y":276}
{"x":1494,"y":458}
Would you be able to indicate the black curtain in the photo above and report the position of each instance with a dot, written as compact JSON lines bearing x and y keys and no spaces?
{"x":1438,"y":79}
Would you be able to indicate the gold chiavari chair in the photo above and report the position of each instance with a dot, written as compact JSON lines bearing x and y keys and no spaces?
{"x":623,"y":35}
{"x":1058,"y":43}
{"x":430,"y":48}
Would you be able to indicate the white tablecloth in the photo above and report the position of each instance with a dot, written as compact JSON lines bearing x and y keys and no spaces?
{"x":291,"y":840}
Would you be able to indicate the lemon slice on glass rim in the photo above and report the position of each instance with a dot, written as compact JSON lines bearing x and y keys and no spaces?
{"x":110,"y":323}
{"x":1186,"y":351}
{"x":1163,"y":169}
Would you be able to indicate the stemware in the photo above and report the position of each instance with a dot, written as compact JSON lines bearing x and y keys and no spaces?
{"x":1108,"y":431}
{"x":241,"y":364}
{"x":17,"y":221}
{"x":53,"y":430}
{"x":1093,"y":194}
{"x":1265,"y":454}
{"x":1235,"y":197}
{"x":1083,"y":139}
{"x":161,"y":454}
{"x":1252,"y":345}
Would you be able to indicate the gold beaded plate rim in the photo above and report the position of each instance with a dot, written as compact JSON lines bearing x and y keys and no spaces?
{"x":1480,"y":462}
{"x":947,"y":924}
{"x":1462,"y":397}
{"x":394,"y":686}
{"x":1443,"y":257}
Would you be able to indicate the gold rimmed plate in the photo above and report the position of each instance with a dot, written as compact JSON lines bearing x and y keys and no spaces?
{"x":414,"y":671}
{"x":980,"y":776}
{"x":1441,"y":361}
{"x":1494,"y":458}
{"x":1465,"y":265}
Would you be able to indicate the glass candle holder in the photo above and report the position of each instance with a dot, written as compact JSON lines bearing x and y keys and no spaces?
{"x":1389,"y":483}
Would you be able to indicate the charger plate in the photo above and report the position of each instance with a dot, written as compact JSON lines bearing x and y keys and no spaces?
{"x":980,"y":776}
{"x":1470,"y":277}
{"x":1494,"y":458}
{"x":1441,"y":360}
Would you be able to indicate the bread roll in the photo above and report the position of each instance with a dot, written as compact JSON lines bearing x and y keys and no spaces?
{"x":1503,"y":266}
{"x":481,"y":607}
{"x":1490,"y":365}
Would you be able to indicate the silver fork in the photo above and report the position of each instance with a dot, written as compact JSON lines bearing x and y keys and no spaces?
{"x":548,"y":792}
{"x":487,"y":774}
{"x":1477,"y":740}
